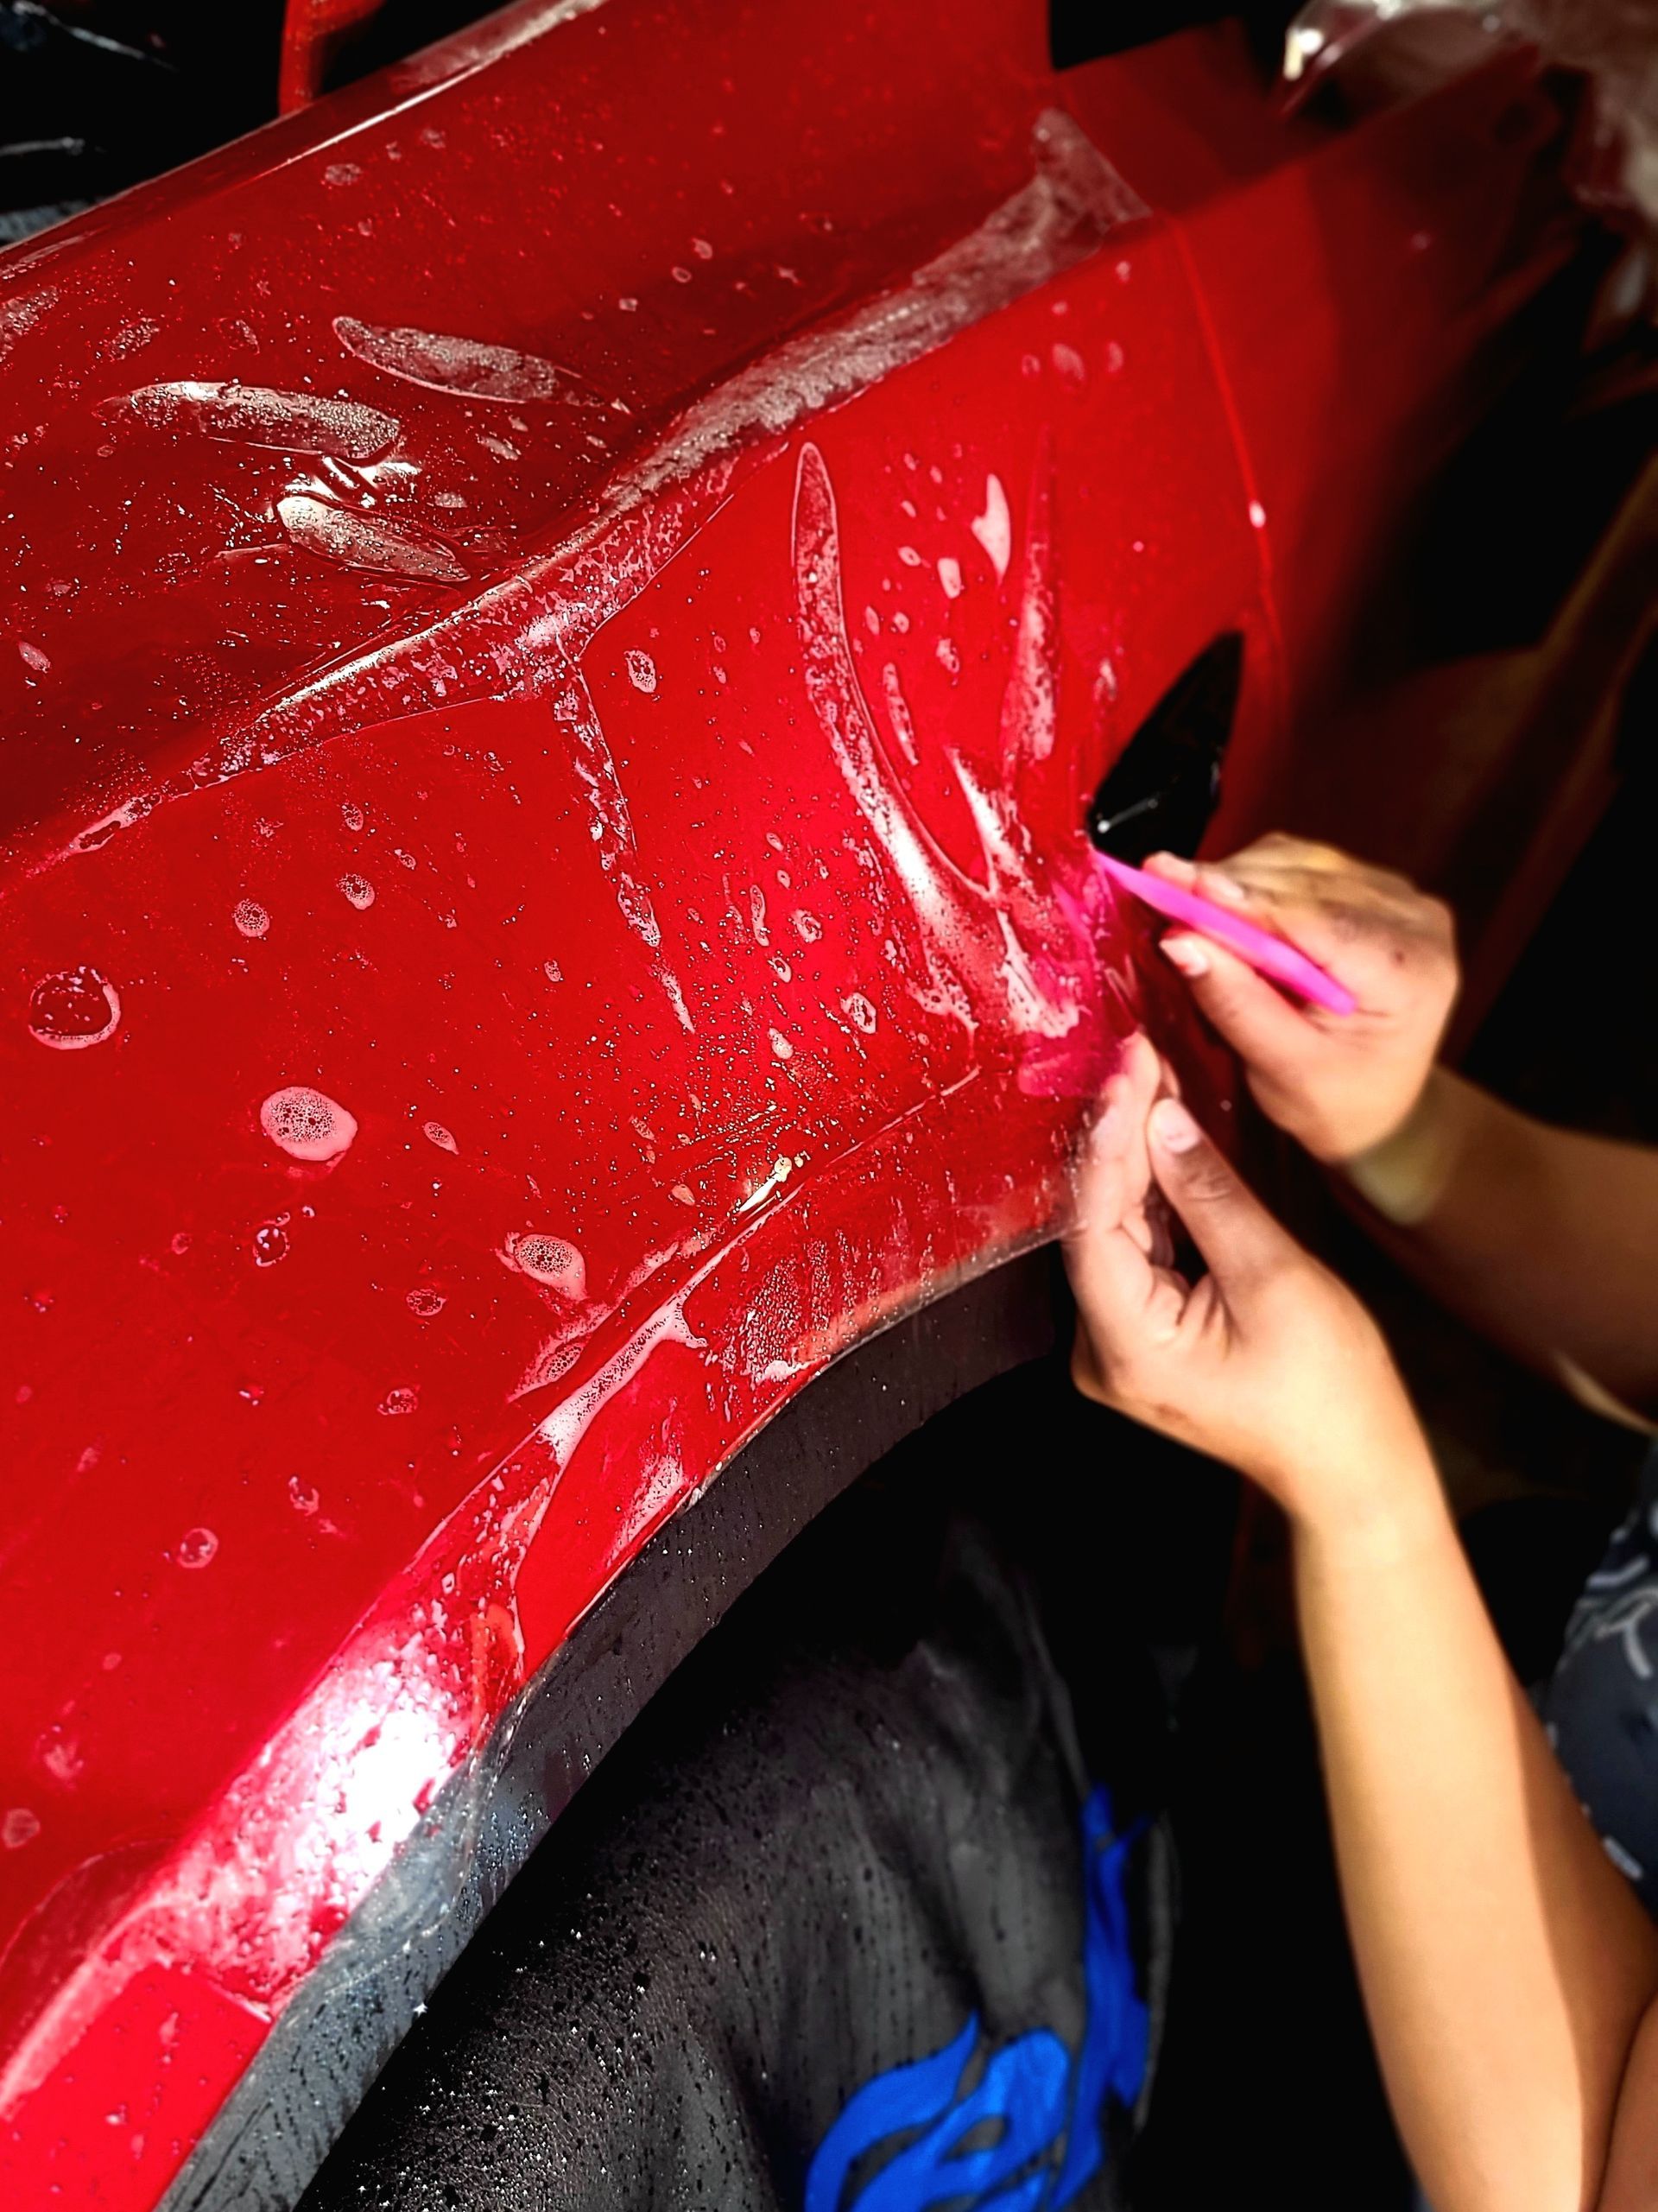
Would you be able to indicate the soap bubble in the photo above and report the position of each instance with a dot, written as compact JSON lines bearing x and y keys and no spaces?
{"x":73,"y":1009}
{"x":358,"y":890}
{"x":251,"y":918}
{"x":307,"y":1125}
{"x":552,"y":1261}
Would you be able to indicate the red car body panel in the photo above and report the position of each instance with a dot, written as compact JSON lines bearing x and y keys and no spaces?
{"x":544,"y":894}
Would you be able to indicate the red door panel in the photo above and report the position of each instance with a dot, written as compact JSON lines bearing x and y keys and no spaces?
{"x":476,"y":1047}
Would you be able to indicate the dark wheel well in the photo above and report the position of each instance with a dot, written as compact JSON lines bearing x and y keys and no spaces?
{"x":274,"y":2131}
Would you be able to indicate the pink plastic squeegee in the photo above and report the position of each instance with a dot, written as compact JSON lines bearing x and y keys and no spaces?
{"x":1269,"y":955}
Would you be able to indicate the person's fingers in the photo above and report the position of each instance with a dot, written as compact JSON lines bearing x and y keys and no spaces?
{"x":1108,"y":1252}
{"x":1172,"y":867}
{"x":1322,"y":916}
{"x":1113,"y":1281}
{"x":1326,"y":902}
{"x":1142,"y":1070}
{"x":1099,"y":1174}
{"x":1280,"y":853}
{"x":1257,"y":1020}
{"x":1112,"y":1171}
{"x":1225,"y":1221}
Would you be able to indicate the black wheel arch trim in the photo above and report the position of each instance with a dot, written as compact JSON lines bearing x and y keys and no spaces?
{"x":278,"y":2125}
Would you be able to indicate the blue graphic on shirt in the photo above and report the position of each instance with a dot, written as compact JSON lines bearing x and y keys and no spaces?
{"x":1048,"y":2101}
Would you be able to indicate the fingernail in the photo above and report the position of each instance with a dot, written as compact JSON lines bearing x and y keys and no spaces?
{"x":1174,"y":1127}
{"x":1171,"y":864}
{"x":1187,"y":954}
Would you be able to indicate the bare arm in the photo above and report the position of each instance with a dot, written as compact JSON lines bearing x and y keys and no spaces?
{"x":1547,"y":1240}
{"x":1631,"y":2184}
{"x":1506,"y":1964}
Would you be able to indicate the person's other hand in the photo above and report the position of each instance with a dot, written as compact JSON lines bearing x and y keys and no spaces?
{"x":1338,"y":1083}
{"x":1267,"y":1361}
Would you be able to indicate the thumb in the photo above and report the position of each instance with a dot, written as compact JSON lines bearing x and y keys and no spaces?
{"x":1261,"y":1026}
{"x":1231,"y":1228}
{"x":1110,"y":1274}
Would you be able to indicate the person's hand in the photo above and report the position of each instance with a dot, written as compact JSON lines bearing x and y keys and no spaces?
{"x":1268,"y":1362}
{"x":1338,"y":1083}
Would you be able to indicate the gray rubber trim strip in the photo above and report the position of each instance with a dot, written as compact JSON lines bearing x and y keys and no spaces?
{"x":289,"y":2108}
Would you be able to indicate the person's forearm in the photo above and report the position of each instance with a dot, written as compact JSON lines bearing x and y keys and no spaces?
{"x":1505,"y":1962}
{"x":1541,"y":1238}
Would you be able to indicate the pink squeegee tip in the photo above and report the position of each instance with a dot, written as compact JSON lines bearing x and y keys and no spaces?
{"x":1268,"y":955}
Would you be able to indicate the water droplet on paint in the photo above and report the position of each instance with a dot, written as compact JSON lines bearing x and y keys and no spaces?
{"x":73,"y":1009}
{"x":358,"y":890}
{"x":641,"y":672}
{"x":306,"y":1124}
{"x":780,"y":1046}
{"x":197,"y":1547}
{"x":438,"y":1135}
{"x":270,"y":1245}
{"x":898,"y":714}
{"x":60,"y":1755}
{"x":994,"y":528}
{"x":807,"y":928}
{"x":858,"y":1007}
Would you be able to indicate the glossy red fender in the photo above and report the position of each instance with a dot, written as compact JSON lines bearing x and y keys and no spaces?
{"x":565,"y":609}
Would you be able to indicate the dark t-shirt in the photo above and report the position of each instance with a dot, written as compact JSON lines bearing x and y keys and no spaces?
{"x":849,"y":1923}
{"x":1600,"y":1705}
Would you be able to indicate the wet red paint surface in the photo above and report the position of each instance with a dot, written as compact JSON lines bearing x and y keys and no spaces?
{"x":566,"y":611}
